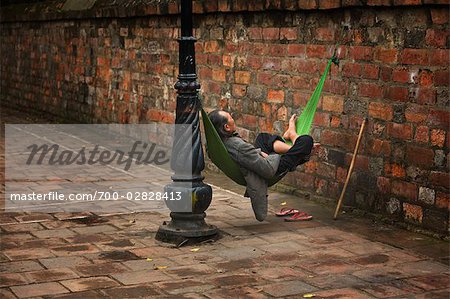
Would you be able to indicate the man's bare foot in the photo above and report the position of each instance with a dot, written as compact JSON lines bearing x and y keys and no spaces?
{"x":292,"y":121}
{"x":288,"y":133}
{"x":292,"y":128}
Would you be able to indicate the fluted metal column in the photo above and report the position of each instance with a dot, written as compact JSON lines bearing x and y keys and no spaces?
{"x":187,"y":146}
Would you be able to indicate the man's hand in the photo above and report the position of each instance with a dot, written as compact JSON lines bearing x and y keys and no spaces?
{"x":264,"y":154}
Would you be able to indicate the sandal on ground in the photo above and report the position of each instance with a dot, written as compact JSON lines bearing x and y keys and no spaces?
{"x":299,"y":216}
{"x":287,"y":212}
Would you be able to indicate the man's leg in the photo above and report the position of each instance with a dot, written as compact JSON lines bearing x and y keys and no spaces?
{"x":296,"y":155}
{"x":280,"y":147}
{"x":266,"y":142}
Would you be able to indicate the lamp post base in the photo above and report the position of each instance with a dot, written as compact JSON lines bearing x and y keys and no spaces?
{"x":185,"y":226}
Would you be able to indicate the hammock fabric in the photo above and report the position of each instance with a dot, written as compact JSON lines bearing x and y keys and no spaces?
{"x":219,"y":155}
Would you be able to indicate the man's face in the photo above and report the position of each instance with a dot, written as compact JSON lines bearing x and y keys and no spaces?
{"x":230,"y":125}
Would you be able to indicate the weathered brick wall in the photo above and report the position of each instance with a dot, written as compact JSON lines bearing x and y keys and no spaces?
{"x":263,"y":60}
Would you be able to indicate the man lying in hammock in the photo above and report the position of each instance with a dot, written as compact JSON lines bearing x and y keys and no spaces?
{"x":269,"y":157}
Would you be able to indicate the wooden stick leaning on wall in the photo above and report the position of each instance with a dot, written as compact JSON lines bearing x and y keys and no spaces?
{"x":350,"y":170}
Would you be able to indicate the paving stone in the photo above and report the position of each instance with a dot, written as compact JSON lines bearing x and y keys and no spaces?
{"x":235,"y":231}
{"x":444,"y":294}
{"x":12,"y":279}
{"x":68,"y":216}
{"x":235,"y":279}
{"x":369,"y":248}
{"x":50,"y":275}
{"x":340,"y":293}
{"x":293,"y":287}
{"x":39,"y":289}
{"x":182,"y":286}
{"x":279,"y":273}
{"x":335,"y":281}
{"x":402,"y":256}
{"x":81,"y":295}
{"x":234,"y":265}
{"x":112,"y":256}
{"x":276,"y":237}
{"x":6,"y":294}
{"x":273,"y":260}
{"x":90,"y":283}
{"x":385,"y":290}
{"x":154,"y":252}
{"x":240,"y":292}
{"x":140,"y":291}
{"x":372,"y":260}
{"x":139,"y":277}
{"x":240,"y":253}
{"x":21,"y":227}
{"x":7,"y":219}
{"x":190,"y":271}
{"x":34,"y":217}
{"x":243,"y":241}
{"x":321,"y":232}
{"x":100,"y":269}
{"x":380,"y":274}
{"x":43,"y":243}
{"x":431,"y":282}
{"x":328,"y":240}
{"x":52,"y":233}
{"x":21,"y":266}
{"x":16,"y":237}
{"x":195,"y":258}
{"x":89,"y":230}
{"x":326,"y":253}
{"x":94,"y":238}
{"x":260,"y":228}
{"x":422,"y":267}
{"x":70,"y":250}
{"x":67,"y":261}
{"x":144,"y":264}
{"x":28,"y":254}
{"x":332,"y":266}
{"x":60,"y":224}
{"x":120,"y":244}
{"x":283,"y":247}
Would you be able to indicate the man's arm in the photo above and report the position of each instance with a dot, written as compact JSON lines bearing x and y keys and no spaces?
{"x":250,"y":158}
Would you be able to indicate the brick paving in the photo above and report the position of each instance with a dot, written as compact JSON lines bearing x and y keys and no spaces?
{"x":60,"y":255}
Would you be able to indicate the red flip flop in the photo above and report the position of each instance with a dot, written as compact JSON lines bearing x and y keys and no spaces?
{"x":299,"y":216}
{"x":287,"y":212}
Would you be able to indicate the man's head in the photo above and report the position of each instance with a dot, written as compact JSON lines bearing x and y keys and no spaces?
{"x":223,"y":122}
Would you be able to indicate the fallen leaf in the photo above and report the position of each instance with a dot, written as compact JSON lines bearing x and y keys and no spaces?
{"x":195,"y":249}
{"x":160,"y":267}
{"x":283,"y":203}
{"x":149,"y":259}
{"x":309,"y":295}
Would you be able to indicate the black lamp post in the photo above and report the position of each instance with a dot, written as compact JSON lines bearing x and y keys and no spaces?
{"x":187,"y":180}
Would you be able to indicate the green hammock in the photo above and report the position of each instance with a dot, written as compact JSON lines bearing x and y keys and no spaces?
{"x":219,"y":155}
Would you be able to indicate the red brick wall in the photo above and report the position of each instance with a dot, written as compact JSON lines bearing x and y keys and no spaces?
{"x":264,"y":60}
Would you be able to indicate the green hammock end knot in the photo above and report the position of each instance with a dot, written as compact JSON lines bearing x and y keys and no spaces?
{"x":335,"y":60}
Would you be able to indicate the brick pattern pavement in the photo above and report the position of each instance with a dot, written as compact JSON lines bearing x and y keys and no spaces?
{"x":47,"y":255}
